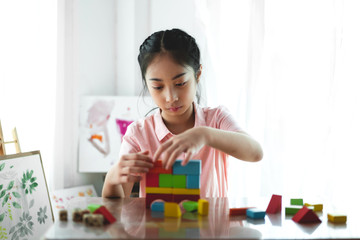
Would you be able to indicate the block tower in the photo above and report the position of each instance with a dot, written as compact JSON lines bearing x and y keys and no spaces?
{"x":175,"y":184}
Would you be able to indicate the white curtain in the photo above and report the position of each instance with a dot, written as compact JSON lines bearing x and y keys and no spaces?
{"x":289,"y":72}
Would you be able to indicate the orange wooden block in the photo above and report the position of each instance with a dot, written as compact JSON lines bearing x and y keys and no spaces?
{"x":238,"y":211}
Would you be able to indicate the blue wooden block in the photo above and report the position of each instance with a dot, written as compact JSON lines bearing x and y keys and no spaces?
{"x":192,"y":168}
{"x":255,"y":213}
{"x":193,"y":181}
{"x":157,"y":206}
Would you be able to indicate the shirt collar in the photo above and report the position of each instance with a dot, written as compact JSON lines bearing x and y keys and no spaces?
{"x":162,"y":131}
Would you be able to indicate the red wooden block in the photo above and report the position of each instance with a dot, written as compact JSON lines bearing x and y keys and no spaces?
{"x":306,"y":215}
{"x":238,"y":211}
{"x":179,"y":197}
{"x":158,"y":163}
{"x":150,"y":197}
{"x":152,"y":180}
{"x":108,"y":217}
{"x":274,"y":204}
{"x":160,"y":170}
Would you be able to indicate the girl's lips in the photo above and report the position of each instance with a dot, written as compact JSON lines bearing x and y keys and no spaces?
{"x":174,"y":109}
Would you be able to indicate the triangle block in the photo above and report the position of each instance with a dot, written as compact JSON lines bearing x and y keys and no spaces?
{"x":306,"y":215}
{"x":274,"y":204}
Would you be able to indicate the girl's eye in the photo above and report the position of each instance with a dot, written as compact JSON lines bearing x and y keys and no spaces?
{"x":156,"y":88}
{"x":180,"y":84}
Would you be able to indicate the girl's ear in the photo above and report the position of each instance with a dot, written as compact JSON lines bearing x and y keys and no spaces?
{"x":198,"y":74}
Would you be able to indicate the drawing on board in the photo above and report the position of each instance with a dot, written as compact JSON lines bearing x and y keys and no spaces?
{"x":24,"y":198}
{"x":103,"y":123}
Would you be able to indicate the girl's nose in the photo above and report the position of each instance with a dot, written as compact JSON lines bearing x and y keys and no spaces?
{"x":171,"y":96}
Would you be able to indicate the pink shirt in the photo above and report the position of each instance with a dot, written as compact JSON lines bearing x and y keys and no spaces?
{"x":150,"y":132}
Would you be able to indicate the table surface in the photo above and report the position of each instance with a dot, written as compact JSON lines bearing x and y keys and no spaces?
{"x":135,"y":221}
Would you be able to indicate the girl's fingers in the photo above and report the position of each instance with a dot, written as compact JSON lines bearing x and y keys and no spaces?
{"x":161,"y":149}
{"x":129,"y":178}
{"x":129,"y":170}
{"x":174,"y":154}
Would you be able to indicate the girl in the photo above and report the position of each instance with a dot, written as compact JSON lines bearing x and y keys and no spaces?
{"x":180,"y":129}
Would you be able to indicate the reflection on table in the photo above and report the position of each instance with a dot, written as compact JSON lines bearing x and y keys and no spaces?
{"x":135,"y":221}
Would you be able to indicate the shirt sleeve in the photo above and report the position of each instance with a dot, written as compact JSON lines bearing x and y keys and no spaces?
{"x":226,"y":121}
{"x":129,"y":143}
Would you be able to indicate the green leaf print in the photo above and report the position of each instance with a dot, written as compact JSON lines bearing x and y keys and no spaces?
{"x":16,"y":205}
{"x":33,"y":179}
{"x":16,"y":194}
{"x":2,"y":193}
{"x":2,"y":217}
{"x":10,"y":186}
{"x":5,"y":199}
{"x":1,"y":186}
{"x":2,"y":166}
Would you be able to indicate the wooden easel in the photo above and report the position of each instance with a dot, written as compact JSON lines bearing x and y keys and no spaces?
{"x":15,"y":141}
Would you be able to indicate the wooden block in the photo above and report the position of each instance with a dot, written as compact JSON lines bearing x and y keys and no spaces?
{"x":157,"y":206}
{"x":255,"y":213}
{"x":296,"y":201}
{"x":193,"y":181}
{"x":192,"y":168}
{"x":165,"y":180}
{"x":76,"y":215}
{"x":274,"y":204}
{"x":291,"y":210}
{"x":190,"y":206}
{"x":185,"y":191}
{"x":109,"y":218}
{"x":158,"y":164}
{"x":93,"y":220}
{"x":179,"y":181}
{"x":93,"y":207}
{"x":238,"y":211}
{"x":306,"y":215}
{"x":203,"y":207}
{"x":150,"y":197}
{"x":158,"y":190}
{"x":63,"y":215}
{"x":172,"y":209}
{"x":336,"y":218}
{"x":317,"y":207}
{"x":152,"y":180}
{"x":179,"y":197}
{"x":159,"y":169}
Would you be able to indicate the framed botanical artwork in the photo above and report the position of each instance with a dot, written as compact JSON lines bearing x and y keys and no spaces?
{"x":25,"y":207}
{"x":103,"y":123}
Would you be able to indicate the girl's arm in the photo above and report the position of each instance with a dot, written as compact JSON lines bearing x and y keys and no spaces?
{"x":237,"y":144}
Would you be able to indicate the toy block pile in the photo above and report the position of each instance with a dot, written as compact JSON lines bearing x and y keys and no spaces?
{"x":94,"y":216}
{"x":173,"y":209}
{"x":303,"y":212}
{"x":175,"y":184}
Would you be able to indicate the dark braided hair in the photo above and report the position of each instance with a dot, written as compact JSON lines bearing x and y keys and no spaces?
{"x":182,"y":47}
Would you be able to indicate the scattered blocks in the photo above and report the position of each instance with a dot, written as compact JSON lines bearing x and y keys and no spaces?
{"x":76,"y":215}
{"x":172,"y":209}
{"x":296,"y":201}
{"x":63,"y":215}
{"x":203,"y":207}
{"x":150,"y":197}
{"x":238,"y":211}
{"x":336,"y":218}
{"x":109,"y":218}
{"x":93,"y":207}
{"x":190,"y":206}
{"x":274,"y":204}
{"x":306,"y":215}
{"x":157,"y":206}
{"x":255,"y":213}
{"x":291,"y":210}
{"x":93,"y":220}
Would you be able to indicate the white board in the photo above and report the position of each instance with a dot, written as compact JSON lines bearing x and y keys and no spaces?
{"x":25,"y":208}
{"x":103,"y":122}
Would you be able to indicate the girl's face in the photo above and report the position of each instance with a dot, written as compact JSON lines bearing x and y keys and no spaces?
{"x":172,"y":87}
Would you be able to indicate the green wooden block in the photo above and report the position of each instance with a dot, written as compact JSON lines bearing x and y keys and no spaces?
{"x":296,"y":201}
{"x":190,"y":206}
{"x":166,"y":180}
{"x":292,"y":209}
{"x":93,"y":207}
{"x":179,"y":181}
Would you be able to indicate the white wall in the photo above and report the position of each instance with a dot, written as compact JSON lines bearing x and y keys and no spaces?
{"x":100,"y":40}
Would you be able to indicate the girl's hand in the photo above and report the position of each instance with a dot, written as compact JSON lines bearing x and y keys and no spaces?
{"x":130,"y":166}
{"x":188,"y":142}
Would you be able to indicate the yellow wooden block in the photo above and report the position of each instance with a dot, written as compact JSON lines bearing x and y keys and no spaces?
{"x":203,"y":207}
{"x":172,"y":209}
{"x":158,"y":190}
{"x":337,"y":218}
{"x":317,"y":207}
{"x":186,"y":191}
